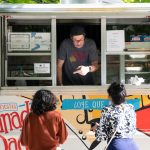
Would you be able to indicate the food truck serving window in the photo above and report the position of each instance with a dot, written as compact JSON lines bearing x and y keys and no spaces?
{"x":78,"y":47}
{"x":131,"y":64}
{"x":28,"y":52}
{"x":33,"y":48}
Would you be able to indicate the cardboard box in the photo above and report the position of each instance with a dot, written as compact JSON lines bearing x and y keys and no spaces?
{"x":140,"y":38}
{"x":146,"y":38}
{"x":140,"y":46}
{"x":137,"y":38}
{"x":40,"y":41}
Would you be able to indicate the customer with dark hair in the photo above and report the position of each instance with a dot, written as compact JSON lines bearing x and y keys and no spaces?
{"x":44,"y":127}
{"x":118,"y":120}
{"x":77,"y":59}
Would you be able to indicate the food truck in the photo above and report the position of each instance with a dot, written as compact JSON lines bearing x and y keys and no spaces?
{"x":30,"y":36}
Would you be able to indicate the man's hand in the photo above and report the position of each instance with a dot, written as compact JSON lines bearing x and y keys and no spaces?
{"x":82,"y":70}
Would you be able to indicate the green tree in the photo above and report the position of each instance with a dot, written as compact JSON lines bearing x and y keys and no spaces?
{"x":136,"y":1}
{"x":31,"y":1}
{"x":58,"y":1}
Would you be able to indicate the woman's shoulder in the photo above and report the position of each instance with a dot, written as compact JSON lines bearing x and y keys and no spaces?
{"x":107,"y":108}
{"x":113,"y":107}
{"x":54,"y":114}
{"x":129,"y":106}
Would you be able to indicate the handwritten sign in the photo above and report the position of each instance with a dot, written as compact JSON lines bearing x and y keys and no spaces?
{"x":115,"y":40}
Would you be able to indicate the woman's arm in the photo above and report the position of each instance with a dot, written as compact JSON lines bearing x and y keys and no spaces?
{"x":99,"y":132}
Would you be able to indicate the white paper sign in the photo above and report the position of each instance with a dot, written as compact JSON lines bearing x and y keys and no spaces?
{"x":115,"y":40}
{"x":41,"y":67}
{"x":19,"y":41}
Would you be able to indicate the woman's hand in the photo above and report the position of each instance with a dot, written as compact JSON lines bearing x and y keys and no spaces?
{"x":93,"y":128}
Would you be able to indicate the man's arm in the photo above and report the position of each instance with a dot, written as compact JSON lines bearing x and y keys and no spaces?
{"x":59,"y":71}
{"x":94,"y":66}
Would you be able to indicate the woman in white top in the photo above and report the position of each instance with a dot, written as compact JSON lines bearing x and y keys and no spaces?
{"x":117,"y":116}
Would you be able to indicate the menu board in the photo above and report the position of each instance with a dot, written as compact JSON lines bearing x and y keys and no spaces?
{"x":115,"y":40}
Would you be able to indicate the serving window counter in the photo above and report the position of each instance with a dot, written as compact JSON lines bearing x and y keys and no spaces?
{"x":28,"y":52}
{"x":134,"y":58}
{"x":31,"y":49}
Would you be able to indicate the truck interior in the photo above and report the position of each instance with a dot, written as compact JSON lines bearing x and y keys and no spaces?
{"x":93,"y":31}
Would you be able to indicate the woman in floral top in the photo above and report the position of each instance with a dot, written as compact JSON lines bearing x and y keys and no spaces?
{"x":117,"y":116}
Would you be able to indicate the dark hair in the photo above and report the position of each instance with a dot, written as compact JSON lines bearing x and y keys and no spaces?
{"x":117,"y":92}
{"x":77,"y":30}
{"x":43,"y":101}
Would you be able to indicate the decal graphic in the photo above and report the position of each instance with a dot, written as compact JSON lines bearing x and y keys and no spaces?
{"x":78,"y":112}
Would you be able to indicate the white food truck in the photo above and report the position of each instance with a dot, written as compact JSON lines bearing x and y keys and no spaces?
{"x":30,"y":36}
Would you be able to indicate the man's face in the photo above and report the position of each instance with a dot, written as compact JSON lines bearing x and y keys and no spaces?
{"x":78,"y":41}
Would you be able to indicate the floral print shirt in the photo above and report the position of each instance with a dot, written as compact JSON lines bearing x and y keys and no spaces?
{"x":116,"y":117}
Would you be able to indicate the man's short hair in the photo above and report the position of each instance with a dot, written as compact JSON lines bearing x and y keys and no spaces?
{"x":77,"y":30}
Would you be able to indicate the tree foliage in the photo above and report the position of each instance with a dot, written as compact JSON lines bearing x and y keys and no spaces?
{"x":58,"y":1}
{"x":136,"y":1}
{"x":31,"y":1}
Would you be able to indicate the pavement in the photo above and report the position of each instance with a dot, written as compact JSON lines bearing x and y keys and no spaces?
{"x":75,"y":141}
